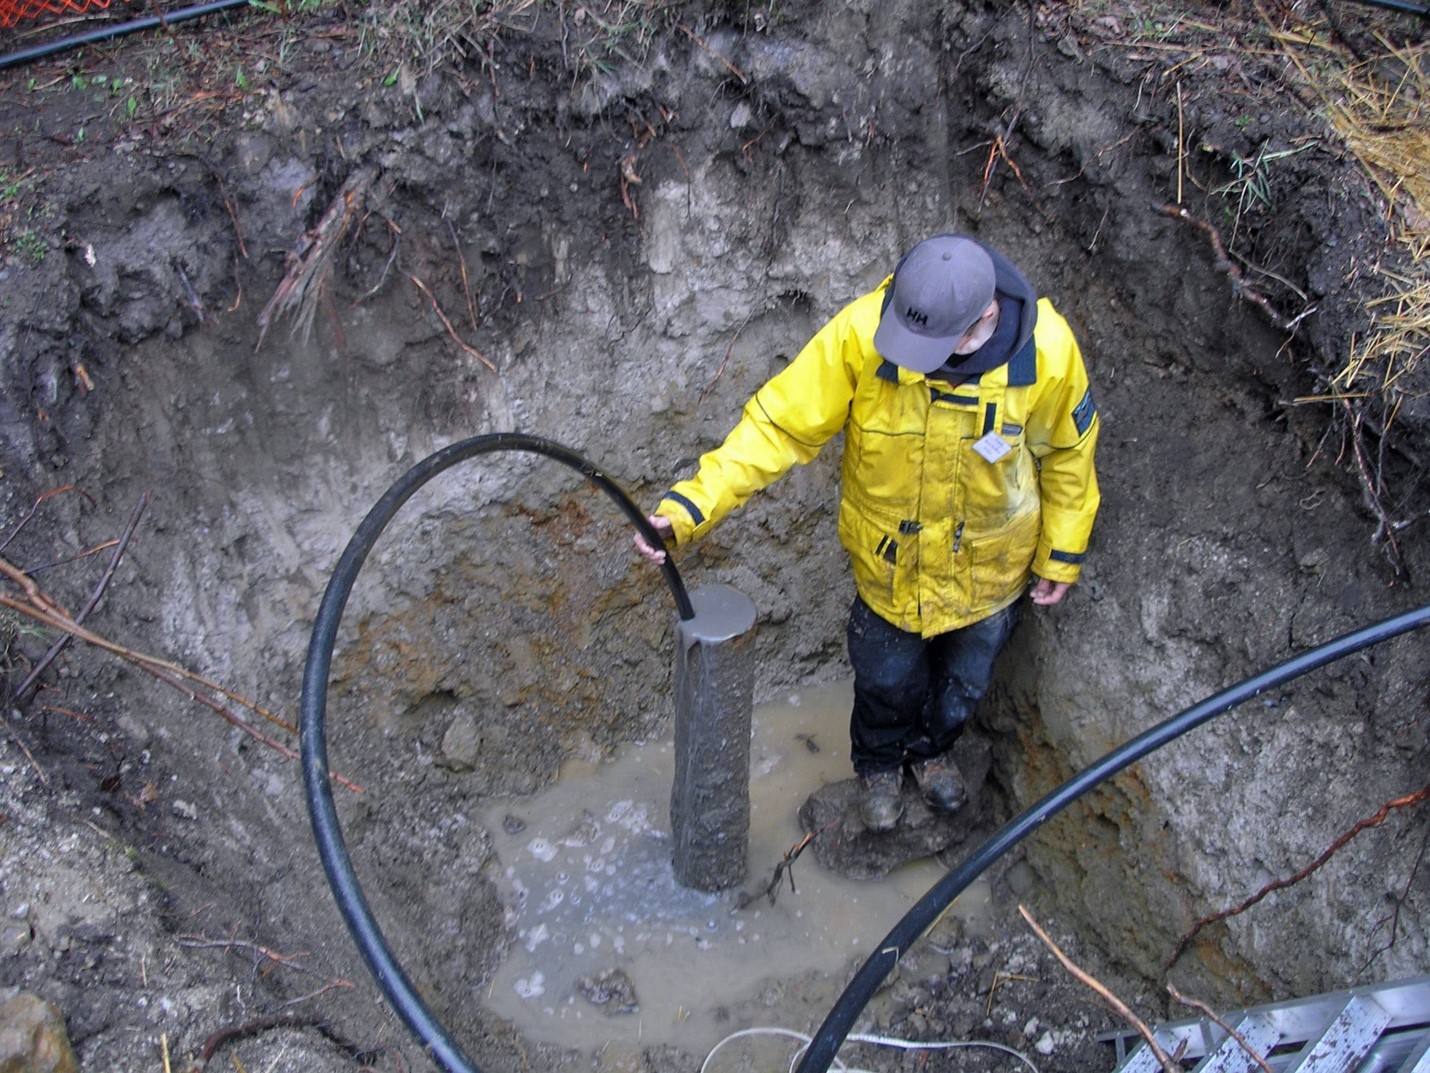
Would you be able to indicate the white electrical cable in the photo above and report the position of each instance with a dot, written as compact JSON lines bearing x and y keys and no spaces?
{"x":879,"y":1041}
{"x":947,"y":1045}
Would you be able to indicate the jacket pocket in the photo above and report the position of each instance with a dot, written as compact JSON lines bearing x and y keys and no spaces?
{"x":1000,"y":560}
{"x":877,"y":556}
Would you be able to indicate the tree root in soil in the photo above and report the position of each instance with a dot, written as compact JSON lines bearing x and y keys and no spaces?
{"x":1115,"y":1004}
{"x":310,"y":262}
{"x":1409,"y":800}
{"x":42,"y":609}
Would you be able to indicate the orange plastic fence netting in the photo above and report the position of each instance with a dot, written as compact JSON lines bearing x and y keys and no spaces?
{"x":13,"y":12}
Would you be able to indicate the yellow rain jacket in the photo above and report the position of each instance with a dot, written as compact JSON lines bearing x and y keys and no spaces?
{"x":951,"y":494}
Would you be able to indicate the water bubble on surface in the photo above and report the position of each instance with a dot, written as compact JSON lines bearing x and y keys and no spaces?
{"x":530,"y":986}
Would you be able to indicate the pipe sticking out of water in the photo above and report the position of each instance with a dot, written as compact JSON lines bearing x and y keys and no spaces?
{"x":714,"y":702}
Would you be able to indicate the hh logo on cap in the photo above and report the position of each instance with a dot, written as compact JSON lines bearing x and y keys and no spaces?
{"x":913,"y":316}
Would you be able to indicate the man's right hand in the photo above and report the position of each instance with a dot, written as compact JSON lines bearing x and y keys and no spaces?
{"x":664,"y":530}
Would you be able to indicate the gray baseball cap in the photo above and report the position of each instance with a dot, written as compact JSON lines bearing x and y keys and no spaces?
{"x":939,"y":289}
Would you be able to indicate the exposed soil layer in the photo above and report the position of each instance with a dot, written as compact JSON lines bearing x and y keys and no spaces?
{"x":612,"y":245}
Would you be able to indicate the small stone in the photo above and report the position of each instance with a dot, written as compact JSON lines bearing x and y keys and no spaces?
{"x":185,"y":810}
{"x":14,"y":937}
{"x":1044,"y":1046}
{"x":32,"y":1035}
{"x":1021,"y":879}
{"x":611,"y":988}
{"x":462,"y":744}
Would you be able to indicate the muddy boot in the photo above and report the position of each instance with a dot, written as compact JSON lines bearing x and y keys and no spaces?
{"x":941,"y":783}
{"x":881,"y":800}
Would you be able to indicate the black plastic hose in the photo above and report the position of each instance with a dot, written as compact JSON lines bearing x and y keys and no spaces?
{"x":1407,"y":6}
{"x":106,"y":33}
{"x":355,"y":911}
{"x":856,"y":995}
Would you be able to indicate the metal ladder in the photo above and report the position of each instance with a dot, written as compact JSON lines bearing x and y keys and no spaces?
{"x":1380,"y":1029}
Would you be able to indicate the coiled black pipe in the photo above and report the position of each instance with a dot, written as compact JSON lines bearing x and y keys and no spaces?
{"x":856,"y":995}
{"x":355,"y":911}
{"x":148,"y":22}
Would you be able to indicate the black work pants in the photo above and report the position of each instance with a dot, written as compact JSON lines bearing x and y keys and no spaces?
{"x":913,"y":695}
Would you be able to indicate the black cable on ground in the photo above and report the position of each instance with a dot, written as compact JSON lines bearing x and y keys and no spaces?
{"x":391,"y":980}
{"x":107,"y":33}
{"x":856,"y":995}
{"x":1410,"y":7}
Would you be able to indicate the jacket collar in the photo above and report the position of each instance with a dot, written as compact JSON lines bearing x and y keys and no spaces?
{"x":1021,"y":370}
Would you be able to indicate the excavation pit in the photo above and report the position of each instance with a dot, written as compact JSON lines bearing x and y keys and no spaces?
{"x":616,"y":254}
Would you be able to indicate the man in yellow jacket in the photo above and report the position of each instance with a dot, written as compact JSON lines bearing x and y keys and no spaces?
{"x":970,"y":430}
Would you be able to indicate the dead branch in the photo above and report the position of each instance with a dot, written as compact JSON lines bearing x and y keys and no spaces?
{"x":629,"y":178}
{"x":19,"y":742}
{"x":1239,"y":286}
{"x":466,"y":280}
{"x":688,"y":32}
{"x":44,"y":610}
{"x":726,"y":359}
{"x":93,"y":601}
{"x":1114,"y":1003}
{"x":232,"y":216}
{"x":783,"y":869}
{"x":1398,"y":903}
{"x":288,"y":961}
{"x":1206,"y":1011}
{"x":310,"y":261}
{"x":999,"y":979}
{"x":1406,"y":801}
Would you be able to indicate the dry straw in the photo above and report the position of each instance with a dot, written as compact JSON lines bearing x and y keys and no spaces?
{"x":1381,"y":108}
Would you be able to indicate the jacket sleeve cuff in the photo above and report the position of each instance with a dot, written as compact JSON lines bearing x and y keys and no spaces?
{"x":685,"y":516}
{"x":1058,"y":565}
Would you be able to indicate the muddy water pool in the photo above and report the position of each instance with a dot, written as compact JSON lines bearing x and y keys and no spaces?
{"x":609,"y":951}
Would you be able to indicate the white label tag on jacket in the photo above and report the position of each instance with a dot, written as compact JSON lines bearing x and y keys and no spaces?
{"x":992,"y":447}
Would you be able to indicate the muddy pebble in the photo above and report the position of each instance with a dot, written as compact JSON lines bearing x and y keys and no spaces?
{"x":611,"y":988}
{"x":32,"y":1035}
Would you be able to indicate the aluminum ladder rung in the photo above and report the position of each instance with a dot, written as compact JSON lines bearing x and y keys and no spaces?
{"x":1258,"y":1035}
{"x":1383,"y":1028}
{"x":1345,"y":1041}
{"x":1418,"y":1060}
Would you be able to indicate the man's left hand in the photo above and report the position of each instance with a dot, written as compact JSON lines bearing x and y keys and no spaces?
{"x":1045,"y":593}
